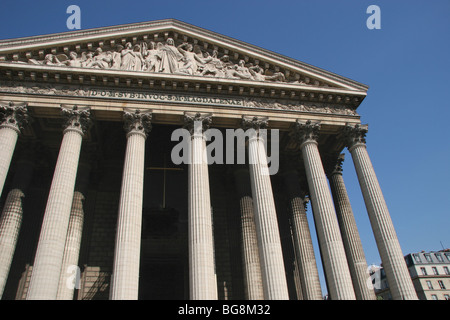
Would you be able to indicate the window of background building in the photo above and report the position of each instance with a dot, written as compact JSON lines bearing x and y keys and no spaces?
{"x":428,"y":257}
{"x":446,"y":297}
{"x":439,"y":257}
{"x":434,"y":297}
{"x":441,"y":284}
{"x":424,"y":271}
{"x":448,"y":256}
{"x":417,"y":258}
{"x":430,"y":286}
{"x":446,"y":270}
{"x":435,"y":270}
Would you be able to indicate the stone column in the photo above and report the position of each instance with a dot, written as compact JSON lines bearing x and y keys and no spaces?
{"x":50,"y":251}
{"x":70,"y":271}
{"x":271,"y":255}
{"x":306,"y":260}
{"x":125,"y":276}
{"x":350,"y":235}
{"x":333,"y":254}
{"x":12,"y":119}
{"x":202,"y":277}
{"x":397,"y":274}
{"x":11,"y":218}
{"x":250,"y":253}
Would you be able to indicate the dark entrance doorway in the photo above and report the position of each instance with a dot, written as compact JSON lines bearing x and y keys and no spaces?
{"x":162,"y":280}
{"x":163,"y":266}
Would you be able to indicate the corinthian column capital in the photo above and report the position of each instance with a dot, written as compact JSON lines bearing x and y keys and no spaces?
{"x":76,"y":119}
{"x":255,"y":123}
{"x":197,"y":123}
{"x":355,"y":135}
{"x":336,"y":165}
{"x":13,"y":116}
{"x":306,"y":131}
{"x":137,"y":122}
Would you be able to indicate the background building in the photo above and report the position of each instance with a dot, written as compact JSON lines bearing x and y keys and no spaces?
{"x":430,"y":273}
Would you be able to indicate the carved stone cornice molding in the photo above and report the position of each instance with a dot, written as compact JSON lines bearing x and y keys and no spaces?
{"x":77,"y":119}
{"x":197,"y":123}
{"x":14,"y":116}
{"x":306,"y":132}
{"x":137,"y":122}
{"x":355,"y":135}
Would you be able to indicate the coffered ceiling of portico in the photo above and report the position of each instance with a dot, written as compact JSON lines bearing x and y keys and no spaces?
{"x":169,"y":54}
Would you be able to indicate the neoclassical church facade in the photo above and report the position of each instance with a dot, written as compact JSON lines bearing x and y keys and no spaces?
{"x":94,"y":206}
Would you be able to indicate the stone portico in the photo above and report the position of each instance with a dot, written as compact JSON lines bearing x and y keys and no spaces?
{"x":90,"y":192}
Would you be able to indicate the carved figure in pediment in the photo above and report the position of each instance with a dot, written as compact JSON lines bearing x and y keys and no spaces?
{"x":152,"y":58}
{"x":138,"y":58}
{"x":34,"y":61}
{"x":48,"y":60}
{"x":100,"y":59}
{"x":170,"y":57}
{"x":55,"y":60}
{"x":51,"y":60}
{"x":227,"y":65}
{"x":226,"y":61}
{"x":128,"y":58}
{"x":258,"y":74}
{"x":117,"y":57}
{"x":239,"y":71}
{"x":191,"y":60}
{"x":74,"y":61}
{"x":86,"y":59}
{"x":214,"y":67}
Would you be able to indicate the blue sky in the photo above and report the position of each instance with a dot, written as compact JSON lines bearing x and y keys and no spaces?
{"x":405,"y":63}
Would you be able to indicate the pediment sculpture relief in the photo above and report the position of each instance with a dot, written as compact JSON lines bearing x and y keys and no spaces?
{"x":184,"y":59}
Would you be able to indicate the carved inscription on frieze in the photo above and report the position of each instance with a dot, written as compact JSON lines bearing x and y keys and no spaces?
{"x":176,"y":98}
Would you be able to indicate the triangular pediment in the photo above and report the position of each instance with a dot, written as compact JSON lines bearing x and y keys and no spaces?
{"x":168,"y":47}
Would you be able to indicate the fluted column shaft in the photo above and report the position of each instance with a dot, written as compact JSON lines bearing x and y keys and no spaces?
{"x":397,"y":274}
{"x":350,"y":235}
{"x":72,"y":249}
{"x":270,"y":251}
{"x":50,"y":251}
{"x":11,"y":219}
{"x":202,"y":276}
{"x":125,"y":276}
{"x":12,"y":118}
{"x":8,"y":139}
{"x":250,"y":253}
{"x":333,"y":253}
{"x":70,"y":271}
{"x":10,"y":223}
{"x":303,"y":244}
